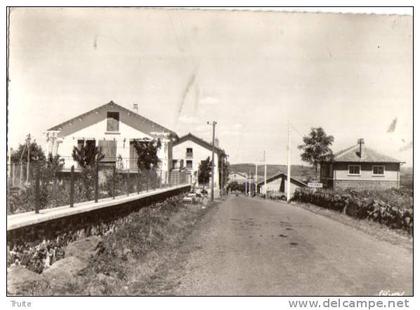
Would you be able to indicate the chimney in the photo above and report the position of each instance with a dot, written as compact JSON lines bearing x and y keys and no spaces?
{"x":361,"y":143}
{"x":136,"y":108}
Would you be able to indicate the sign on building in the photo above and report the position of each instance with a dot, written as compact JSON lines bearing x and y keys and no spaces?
{"x":315,"y":185}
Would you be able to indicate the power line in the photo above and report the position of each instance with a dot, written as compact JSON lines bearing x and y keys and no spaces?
{"x":297,"y":131}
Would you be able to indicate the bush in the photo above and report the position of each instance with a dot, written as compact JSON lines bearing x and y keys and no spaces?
{"x":139,"y":231}
{"x":393,"y":208}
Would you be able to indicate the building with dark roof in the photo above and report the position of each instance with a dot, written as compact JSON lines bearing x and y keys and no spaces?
{"x":360,"y":167}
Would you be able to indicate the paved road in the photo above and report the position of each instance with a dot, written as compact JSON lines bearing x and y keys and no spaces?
{"x":254,"y":247}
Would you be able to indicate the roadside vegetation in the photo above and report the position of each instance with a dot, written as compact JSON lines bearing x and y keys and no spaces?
{"x":393,"y":208}
{"x":133,"y":255}
{"x":54,"y":183}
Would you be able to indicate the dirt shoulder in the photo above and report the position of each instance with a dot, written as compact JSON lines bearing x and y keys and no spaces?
{"x":381,"y":232}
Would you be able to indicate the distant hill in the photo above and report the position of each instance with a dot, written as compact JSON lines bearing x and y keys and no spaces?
{"x":298,"y":171}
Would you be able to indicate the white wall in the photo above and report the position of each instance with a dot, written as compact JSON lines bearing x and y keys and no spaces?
{"x":234,"y":177}
{"x":274,"y":186}
{"x":366,"y":175}
{"x":199,"y":153}
{"x":98,"y":132}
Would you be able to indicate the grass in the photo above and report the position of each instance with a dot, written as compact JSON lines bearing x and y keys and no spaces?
{"x":138,"y":258}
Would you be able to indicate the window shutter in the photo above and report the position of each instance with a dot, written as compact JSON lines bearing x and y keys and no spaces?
{"x":109,"y":149}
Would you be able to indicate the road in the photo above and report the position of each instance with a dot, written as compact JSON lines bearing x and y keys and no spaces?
{"x":250,"y":246}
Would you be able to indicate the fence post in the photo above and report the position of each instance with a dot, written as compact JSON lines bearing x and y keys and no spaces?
{"x":96,"y":182}
{"x":138,"y":182}
{"x":12,"y":175}
{"x":113,"y":181}
{"x":55,"y":191}
{"x":37,"y":194}
{"x":126,"y":182}
{"x":72,"y":186}
{"x":148,"y":180}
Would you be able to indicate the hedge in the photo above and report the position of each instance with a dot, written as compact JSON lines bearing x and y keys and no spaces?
{"x":393,"y":208}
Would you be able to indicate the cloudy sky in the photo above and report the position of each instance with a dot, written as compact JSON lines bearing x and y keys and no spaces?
{"x":252,"y":72}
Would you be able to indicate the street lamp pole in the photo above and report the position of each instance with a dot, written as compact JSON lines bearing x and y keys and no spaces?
{"x":213,"y":123}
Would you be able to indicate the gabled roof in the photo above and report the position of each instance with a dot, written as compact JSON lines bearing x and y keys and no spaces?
{"x":199,"y":141}
{"x":238,"y":173}
{"x":280,"y":175}
{"x":352,"y":154}
{"x":112,"y":105}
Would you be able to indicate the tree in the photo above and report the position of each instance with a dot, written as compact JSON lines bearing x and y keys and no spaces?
{"x":53,"y":164}
{"x":87,"y":156}
{"x":226,"y":168}
{"x":36,"y":153}
{"x":147,"y":153}
{"x":204,"y":171}
{"x":235,"y":186}
{"x":316,"y":147}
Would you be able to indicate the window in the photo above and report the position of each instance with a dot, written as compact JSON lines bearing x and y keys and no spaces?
{"x":113,"y":121}
{"x":354,"y":169}
{"x":108,"y":149}
{"x":189,"y":152}
{"x":189,"y":164}
{"x":378,"y":170}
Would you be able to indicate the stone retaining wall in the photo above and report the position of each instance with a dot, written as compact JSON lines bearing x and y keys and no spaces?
{"x":80,"y":225}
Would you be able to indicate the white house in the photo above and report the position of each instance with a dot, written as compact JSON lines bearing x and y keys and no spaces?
{"x":278,"y":183}
{"x":238,"y":177}
{"x":189,"y":151}
{"x":361,"y":168}
{"x":113,"y":128}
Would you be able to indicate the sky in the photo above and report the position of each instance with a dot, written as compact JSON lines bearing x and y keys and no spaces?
{"x":251,"y":72}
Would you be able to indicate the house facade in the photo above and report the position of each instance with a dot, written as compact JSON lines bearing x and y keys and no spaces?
{"x":278,"y":183}
{"x":113,"y":129}
{"x":359,"y":167}
{"x":188,"y":153}
{"x":238,"y":177}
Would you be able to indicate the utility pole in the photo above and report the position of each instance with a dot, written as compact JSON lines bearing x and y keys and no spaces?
{"x":246,"y":185}
{"x":265,"y":176}
{"x":256,"y":178}
{"x":288,"y":161}
{"x":213,"y":123}
{"x":248,"y":182}
{"x":221,"y":176}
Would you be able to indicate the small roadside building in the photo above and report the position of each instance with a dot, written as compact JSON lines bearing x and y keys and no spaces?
{"x":189,"y":151}
{"x":359,"y":167}
{"x":278,"y":183}
{"x":237,"y":177}
{"x":113,"y":129}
